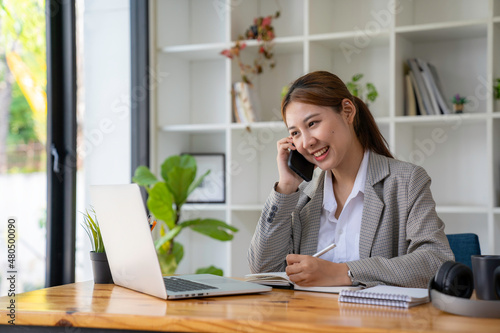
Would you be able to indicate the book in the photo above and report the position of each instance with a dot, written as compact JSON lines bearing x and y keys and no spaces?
{"x":440,"y":91}
{"x":410,"y":101}
{"x":418,"y":97}
{"x":386,"y":295}
{"x":421,"y":87}
{"x":280,"y":279}
{"x":434,"y":85}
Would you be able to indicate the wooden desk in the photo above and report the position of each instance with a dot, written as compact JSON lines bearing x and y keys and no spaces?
{"x":86,"y":305}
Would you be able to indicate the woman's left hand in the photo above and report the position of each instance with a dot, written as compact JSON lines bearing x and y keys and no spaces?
{"x":310,"y":271}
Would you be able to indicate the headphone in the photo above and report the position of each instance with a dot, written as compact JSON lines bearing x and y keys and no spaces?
{"x":451,"y":288}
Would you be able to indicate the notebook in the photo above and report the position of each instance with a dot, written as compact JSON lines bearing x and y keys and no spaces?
{"x":280,"y":279}
{"x":387,"y":295}
{"x":132,"y":255}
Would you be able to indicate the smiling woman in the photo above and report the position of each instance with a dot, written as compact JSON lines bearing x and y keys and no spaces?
{"x":370,"y":205}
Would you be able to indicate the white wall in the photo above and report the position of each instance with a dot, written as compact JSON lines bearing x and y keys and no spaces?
{"x":106,"y":128}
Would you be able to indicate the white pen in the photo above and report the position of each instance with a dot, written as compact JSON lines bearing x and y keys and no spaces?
{"x":325,"y":250}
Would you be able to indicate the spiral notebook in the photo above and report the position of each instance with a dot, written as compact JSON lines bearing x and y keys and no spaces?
{"x":386,"y":295}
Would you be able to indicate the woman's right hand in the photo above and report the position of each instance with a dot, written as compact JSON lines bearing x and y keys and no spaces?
{"x":289,"y":181}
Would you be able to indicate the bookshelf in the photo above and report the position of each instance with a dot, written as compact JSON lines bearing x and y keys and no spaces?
{"x":191,"y":102}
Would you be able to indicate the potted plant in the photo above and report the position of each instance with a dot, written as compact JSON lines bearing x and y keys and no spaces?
{"x":100,"y":265}
{"x":458,"y":103}
{"x":367,"y":92}
{"x":245,"y":102}
{"x":166,"y":197}
{"x":263,"y":31}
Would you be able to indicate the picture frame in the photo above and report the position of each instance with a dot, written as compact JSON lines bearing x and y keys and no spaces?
{"x":213,"y":188}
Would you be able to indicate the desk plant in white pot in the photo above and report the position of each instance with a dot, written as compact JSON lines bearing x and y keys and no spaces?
{"x":165,"y":200}
{"x":100,"y":265}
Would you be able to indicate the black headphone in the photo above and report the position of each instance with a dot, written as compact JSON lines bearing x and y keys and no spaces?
{"x":451,"y":288}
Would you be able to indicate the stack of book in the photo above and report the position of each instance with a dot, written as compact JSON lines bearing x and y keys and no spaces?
{"x":423,"y":90}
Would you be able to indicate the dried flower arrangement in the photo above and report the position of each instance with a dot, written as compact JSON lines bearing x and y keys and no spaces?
{"x":263,"y":31}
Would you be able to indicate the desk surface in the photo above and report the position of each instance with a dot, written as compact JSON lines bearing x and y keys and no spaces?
{"x":108,"y":306}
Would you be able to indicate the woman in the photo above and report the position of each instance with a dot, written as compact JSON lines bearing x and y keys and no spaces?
{"x":377,"y":210}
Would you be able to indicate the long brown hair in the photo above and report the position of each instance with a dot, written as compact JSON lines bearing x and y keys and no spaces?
{"x":323,"y":88}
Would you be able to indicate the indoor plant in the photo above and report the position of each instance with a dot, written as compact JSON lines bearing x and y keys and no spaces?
{"x":245,"y":101}
{"x":458,"y":103}
{"x":165,"y":200}
{"x":100,"y":266}
{"x":357,"y":89}
{"x":263,"y":31}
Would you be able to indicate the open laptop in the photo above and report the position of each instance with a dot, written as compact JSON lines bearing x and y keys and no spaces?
{"x":132,"y":255}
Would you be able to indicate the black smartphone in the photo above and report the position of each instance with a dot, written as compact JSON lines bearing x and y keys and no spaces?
{"x":300,"y":165}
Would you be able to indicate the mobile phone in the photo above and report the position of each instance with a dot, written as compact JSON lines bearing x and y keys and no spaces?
{"x":300,"y":165}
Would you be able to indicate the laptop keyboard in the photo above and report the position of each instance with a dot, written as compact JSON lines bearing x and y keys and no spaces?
{"x":176,"y":284}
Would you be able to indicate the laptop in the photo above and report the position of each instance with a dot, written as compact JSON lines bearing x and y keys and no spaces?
{"x":132,"y":255}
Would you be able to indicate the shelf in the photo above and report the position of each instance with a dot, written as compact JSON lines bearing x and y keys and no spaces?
{"x":283,"y":45}
{"x":339,"y":40}
{"x":196,"y":51}
{"x":259,"y":125}
{"x":451,"y":119}
{"x":460,"y":152}
{"x":199,"y":128}
{"x":444,"y":31}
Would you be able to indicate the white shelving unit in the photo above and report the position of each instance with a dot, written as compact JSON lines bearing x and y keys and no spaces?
{"x":191,"y":101}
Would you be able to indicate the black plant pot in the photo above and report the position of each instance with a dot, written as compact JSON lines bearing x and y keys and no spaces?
{"x":100,"y":267}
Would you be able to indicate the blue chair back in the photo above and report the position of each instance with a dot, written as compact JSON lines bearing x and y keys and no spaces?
{"x":464,"y":246}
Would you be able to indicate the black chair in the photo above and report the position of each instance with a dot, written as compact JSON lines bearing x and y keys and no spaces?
{"x":464,"y":246}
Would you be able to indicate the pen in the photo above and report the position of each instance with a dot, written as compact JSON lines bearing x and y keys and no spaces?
{"x":325,"y":250}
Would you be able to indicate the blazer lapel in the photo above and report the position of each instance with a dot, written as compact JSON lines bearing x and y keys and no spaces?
{"x":310,"y":215}
{"x":378,"y":169}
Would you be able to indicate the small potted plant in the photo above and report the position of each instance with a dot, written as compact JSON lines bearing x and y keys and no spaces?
{"x":366,"y":92}
{"x":458,"y":103}
{"x":100,"y":265}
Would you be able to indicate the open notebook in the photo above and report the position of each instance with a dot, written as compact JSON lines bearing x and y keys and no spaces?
{"x":280,"y":279}
{"x":386,"y":295}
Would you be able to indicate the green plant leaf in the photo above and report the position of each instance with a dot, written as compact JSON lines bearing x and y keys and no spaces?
{"x":210,"y":270}
{"x":357,"y":77}
{"x":372,"y":92}
{"x":91,"y":226}
{"x":168,"y":236}
{"x":168,"y":264}
{"x":197,"y":183}
{"x":179,"y":172}
{"x":144,"y":177}
{"x":178,"y":252}
{"x":170,"y":260}
{"x":160,"y":203}
{"x":212,"y":228}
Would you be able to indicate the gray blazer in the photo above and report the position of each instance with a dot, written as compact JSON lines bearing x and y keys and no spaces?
{"x":402,"y":240}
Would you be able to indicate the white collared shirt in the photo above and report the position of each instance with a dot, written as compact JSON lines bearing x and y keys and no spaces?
{"x":343,"y":231}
